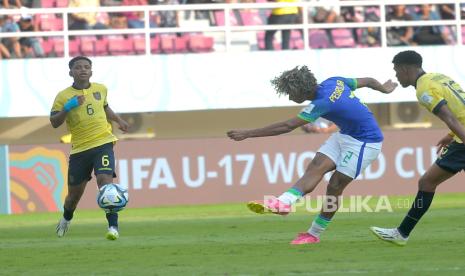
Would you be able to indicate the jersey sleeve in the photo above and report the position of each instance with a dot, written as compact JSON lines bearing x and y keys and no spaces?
{"x":58,"y":104}
{"x":431,"y":98}
{"x":351,"y":82}
{"x":312,"y":112}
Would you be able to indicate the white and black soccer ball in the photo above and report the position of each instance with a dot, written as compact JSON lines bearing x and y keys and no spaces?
{"x":112,"y":198}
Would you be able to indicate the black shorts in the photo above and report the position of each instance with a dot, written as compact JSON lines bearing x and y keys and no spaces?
{"x":101,"y":159}
{"x":452,"y":158}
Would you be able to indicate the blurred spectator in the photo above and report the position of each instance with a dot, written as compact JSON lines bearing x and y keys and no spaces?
{"x":7,"y":25}
{"x":118,"y":21}
{"x":370,"y":36}
{"x":134,"y":19}
{"x":85,"y":20}
{"x":167,"y":19}
{"x":11,"y":4}
{"x":326,"y":14}
{"x":278,"y":16}
{"x":320,"y":126}
{"x":399,"y":36}
{"x":429,"y":35}
{"x":447,"y":11}
{"x":30,"y":45}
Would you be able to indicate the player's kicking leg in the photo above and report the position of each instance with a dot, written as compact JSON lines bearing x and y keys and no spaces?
{"x":282,"y":205}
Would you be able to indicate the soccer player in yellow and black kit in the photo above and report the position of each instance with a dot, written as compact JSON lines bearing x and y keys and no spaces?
{"x":446,"y":99}
{"x":85,"y":109}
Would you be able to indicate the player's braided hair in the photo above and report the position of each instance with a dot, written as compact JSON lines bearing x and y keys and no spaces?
{"x":294,"y":81}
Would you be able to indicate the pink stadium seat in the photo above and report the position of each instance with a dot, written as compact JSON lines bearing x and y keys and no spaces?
{"x":261,"y":40}
{"x":155,"y":45}
{"x":139,"y":44}
{"x":318,"y":39}
{"x":62,"y":3}
{"x":74,"y":47}
{"x":47,"y":3}
{"x":296,"y":40}
{"x":180,"y":44}
{"x":219,"y":18}
{"x":200,"y":43}
{"x":463,"y":34}
{"x":251,"y":17}
{"x":88,"y":45}
{"x":120,"y":46}
{"x":58,"y":46}
{"x":47,"y":46}
{"x":342,"y":38}
{"x":167,"y":44}
{"x":51,"y":24}
{"x":101,"y":47}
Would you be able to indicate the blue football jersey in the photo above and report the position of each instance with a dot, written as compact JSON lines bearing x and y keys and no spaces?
{"x":336,"y":102}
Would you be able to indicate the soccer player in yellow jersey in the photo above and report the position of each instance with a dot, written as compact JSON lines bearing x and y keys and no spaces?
{"x":446,"y":99}
{"x":85,"y":109}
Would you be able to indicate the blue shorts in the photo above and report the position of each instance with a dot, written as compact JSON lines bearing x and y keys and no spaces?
{"x":101,"y":159}
{"x":452,"y":158}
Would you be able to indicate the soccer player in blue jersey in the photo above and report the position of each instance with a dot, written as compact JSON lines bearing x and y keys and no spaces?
{"x":443,"y":97}
{"x":348,"y":151}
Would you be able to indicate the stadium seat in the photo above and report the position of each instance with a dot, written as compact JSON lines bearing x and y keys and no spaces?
{"x":251,"y":18}
{"x":58,"y":46}
{"x":101,"y":47}
{"x":62,"y":3}
{"x":74,"y":47}
{"x":139,"y":44}
{"x":342,"y":38}
{"x":167,"y":44}
{"x":47,"y":3}
{"x":200,"y":44}
{"x":120,"y":46}
{"x":180,"y":44}
{"x":155,"y":45}
{"x":319,"y":39}
{"x":296,"y":40}
{"x":220,"y":18}
{"x":51,"y":23}
{"x":88,"y":45}
{"x":47,"y":46}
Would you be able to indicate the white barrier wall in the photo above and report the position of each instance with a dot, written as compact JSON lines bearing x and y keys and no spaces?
{"x":207,"y":81}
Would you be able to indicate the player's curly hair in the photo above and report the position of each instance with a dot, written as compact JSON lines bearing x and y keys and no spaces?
{"x":295,"y":81}
{"x":408,"y":58}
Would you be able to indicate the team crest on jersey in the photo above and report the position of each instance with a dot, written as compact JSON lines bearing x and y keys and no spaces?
{"x":426,"y":98}
{"x":97,"y":96}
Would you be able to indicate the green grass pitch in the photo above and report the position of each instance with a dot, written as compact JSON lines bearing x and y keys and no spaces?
{"x":230,"y":240}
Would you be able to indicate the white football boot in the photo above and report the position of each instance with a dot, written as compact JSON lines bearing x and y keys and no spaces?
{"x":112,"y":233}
{"x":62,"y":227}
{"x":389,"y":235}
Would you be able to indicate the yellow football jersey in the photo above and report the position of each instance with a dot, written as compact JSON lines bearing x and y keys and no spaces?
{"x":435,"y":90}
{"x":87,"y":123}
{"x":285,"y":10}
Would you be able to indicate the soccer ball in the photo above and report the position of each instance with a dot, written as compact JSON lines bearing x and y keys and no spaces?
{"x":112,"y":198}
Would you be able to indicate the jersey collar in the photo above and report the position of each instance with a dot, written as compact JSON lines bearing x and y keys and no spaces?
{"x":419,"y":76}
{"x":74,"y":87}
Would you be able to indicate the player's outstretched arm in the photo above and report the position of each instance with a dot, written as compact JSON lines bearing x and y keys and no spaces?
{"x":111,"y":115}
{"x":271,"y":130}
{"x":451,"y":121}
{"x":374,"y":84}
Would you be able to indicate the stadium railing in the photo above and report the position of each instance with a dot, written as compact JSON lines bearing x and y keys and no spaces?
{"x":228,"y":29}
